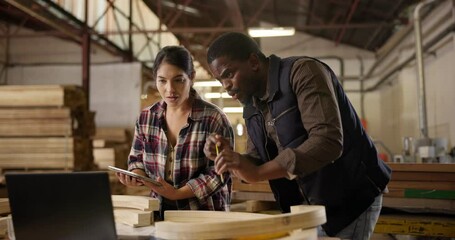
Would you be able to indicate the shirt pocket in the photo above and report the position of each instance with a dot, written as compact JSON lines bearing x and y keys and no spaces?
{"x":152,"y":151}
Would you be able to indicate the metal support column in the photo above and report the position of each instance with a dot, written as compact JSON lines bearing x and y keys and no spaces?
{"x":86,"y":57}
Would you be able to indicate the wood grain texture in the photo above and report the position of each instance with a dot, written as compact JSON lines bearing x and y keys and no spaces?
{"x":42,"y":96}
{"x":143,"y":203}
{"x":440,"y":185}
{"x":4,"y":206}
{"x":422,"y":167}
{"x":425,"y":205}
{"x":226,"y":225}
{"x":423,"y":176}
{"x":133,"y":217}
{"x":238,"y":185}
{"x":259,"y":196}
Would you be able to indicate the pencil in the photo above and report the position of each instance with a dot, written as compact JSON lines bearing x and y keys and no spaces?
{"x":217,"y":152}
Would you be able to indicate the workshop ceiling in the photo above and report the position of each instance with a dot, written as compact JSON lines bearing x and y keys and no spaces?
{"x":365,"y":24}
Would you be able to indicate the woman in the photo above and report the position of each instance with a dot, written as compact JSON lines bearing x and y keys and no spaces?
{"x":169,"y":139}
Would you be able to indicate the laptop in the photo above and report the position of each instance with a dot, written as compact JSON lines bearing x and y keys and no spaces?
{"x":61,"y":205}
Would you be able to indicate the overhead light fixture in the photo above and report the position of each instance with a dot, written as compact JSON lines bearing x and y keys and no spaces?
{"x":181,"y":7}
{"x":207,"y":84}
{"x":233,"y":109}
{"x":271,"y":32}
{"x":216,"y":95}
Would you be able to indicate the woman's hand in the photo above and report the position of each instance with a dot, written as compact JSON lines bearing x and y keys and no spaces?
{"x":166,"y":190}
{"x":128,"y":180}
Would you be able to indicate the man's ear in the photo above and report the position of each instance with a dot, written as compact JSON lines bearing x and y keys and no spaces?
{"x":254,"y":61}
{"x":193,"y":74}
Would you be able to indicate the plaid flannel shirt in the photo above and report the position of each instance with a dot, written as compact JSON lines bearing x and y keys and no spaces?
{"x":150,"y":150}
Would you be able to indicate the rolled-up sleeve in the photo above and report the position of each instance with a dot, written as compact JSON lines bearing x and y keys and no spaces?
{"x":137,"y":148}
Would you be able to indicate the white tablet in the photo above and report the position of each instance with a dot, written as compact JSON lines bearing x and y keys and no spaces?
{"x":132,"y":174}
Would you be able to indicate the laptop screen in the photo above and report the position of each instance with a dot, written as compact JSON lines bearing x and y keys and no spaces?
{"x":61,"y":205}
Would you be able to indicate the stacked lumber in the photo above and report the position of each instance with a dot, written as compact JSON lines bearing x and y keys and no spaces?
{"x":422,"y":187}
{"x":111,"y":147}
{"x":259,"y":191}
{"x":135,"y":211}
{"x":5,"y":216}
{"x":254,"y":197}
{"x":45,"y":127}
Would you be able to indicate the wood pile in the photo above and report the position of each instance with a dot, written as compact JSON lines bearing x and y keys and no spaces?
{"x":422,"y":187}
{"x":135,"y":211}
{"x":111,"y":147}
{"x":45,"y":127}
{"x":259,"y":191}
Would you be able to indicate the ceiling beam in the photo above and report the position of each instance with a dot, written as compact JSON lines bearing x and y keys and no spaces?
{"x":235,"y":13}
{"x":211,"y":29}
{"x":258,"y":12}
{"x":178,"y":14}
{"x":348,"y":19}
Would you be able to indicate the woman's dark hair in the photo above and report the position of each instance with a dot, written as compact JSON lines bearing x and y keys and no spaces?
{"x":174,"y":55}
{"x":235,"y":46}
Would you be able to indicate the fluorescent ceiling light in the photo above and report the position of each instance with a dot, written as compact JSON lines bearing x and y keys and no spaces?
{"x":207,"y":84}
{"x":233,"y":109}
{"x":216,"y":95}
{"x":271,"y":32}
{"x":181,"y":7}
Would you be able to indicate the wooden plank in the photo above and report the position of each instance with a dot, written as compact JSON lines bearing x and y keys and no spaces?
{"x":420,"y":193}
{"x":4,"y":206}
{"x":423,"y":176}
{"x":258,"y":206}
{"x":416,"y":225}
{"x":188,"y":216}
{"x":34,"y":113}
{"x":422,"y":167}
{"x":421,"y":204}
{"x":38,"y":161}
{"x":133,"y":217}
{"x":46,"y":153}
{"x":213,"y":225}
{"x":114,"y":156}
{"x":4,"y":227}
{"x":422,"y":185}
{"x":238,"y":185}
{"x":113,"y":134}
{"x":259,"y":196}
{"x":36,"y":145}
{"x":36,"y":127}
{"x":104,"y":157}
{"x":143,"y":203}
{"x":41,"y":95}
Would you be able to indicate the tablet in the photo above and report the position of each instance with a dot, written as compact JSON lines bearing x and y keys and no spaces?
{"x":132,"y":174}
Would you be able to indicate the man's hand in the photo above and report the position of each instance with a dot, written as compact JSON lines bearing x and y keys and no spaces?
{"x":211,"y":141}
{"x":237,"y":164}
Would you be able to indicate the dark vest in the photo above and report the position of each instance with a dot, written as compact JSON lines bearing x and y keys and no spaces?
{"x":347,"y":186}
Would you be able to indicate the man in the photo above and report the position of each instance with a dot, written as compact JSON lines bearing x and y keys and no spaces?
{"x":304,"y":136}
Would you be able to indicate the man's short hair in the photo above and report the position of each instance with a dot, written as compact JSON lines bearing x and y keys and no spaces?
{"x":235,"y":46}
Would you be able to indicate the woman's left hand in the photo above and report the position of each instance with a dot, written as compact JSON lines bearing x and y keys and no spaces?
{"x":166,"y":190}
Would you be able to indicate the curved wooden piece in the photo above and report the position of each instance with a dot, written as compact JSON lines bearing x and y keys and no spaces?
{"x":225,"y":225}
